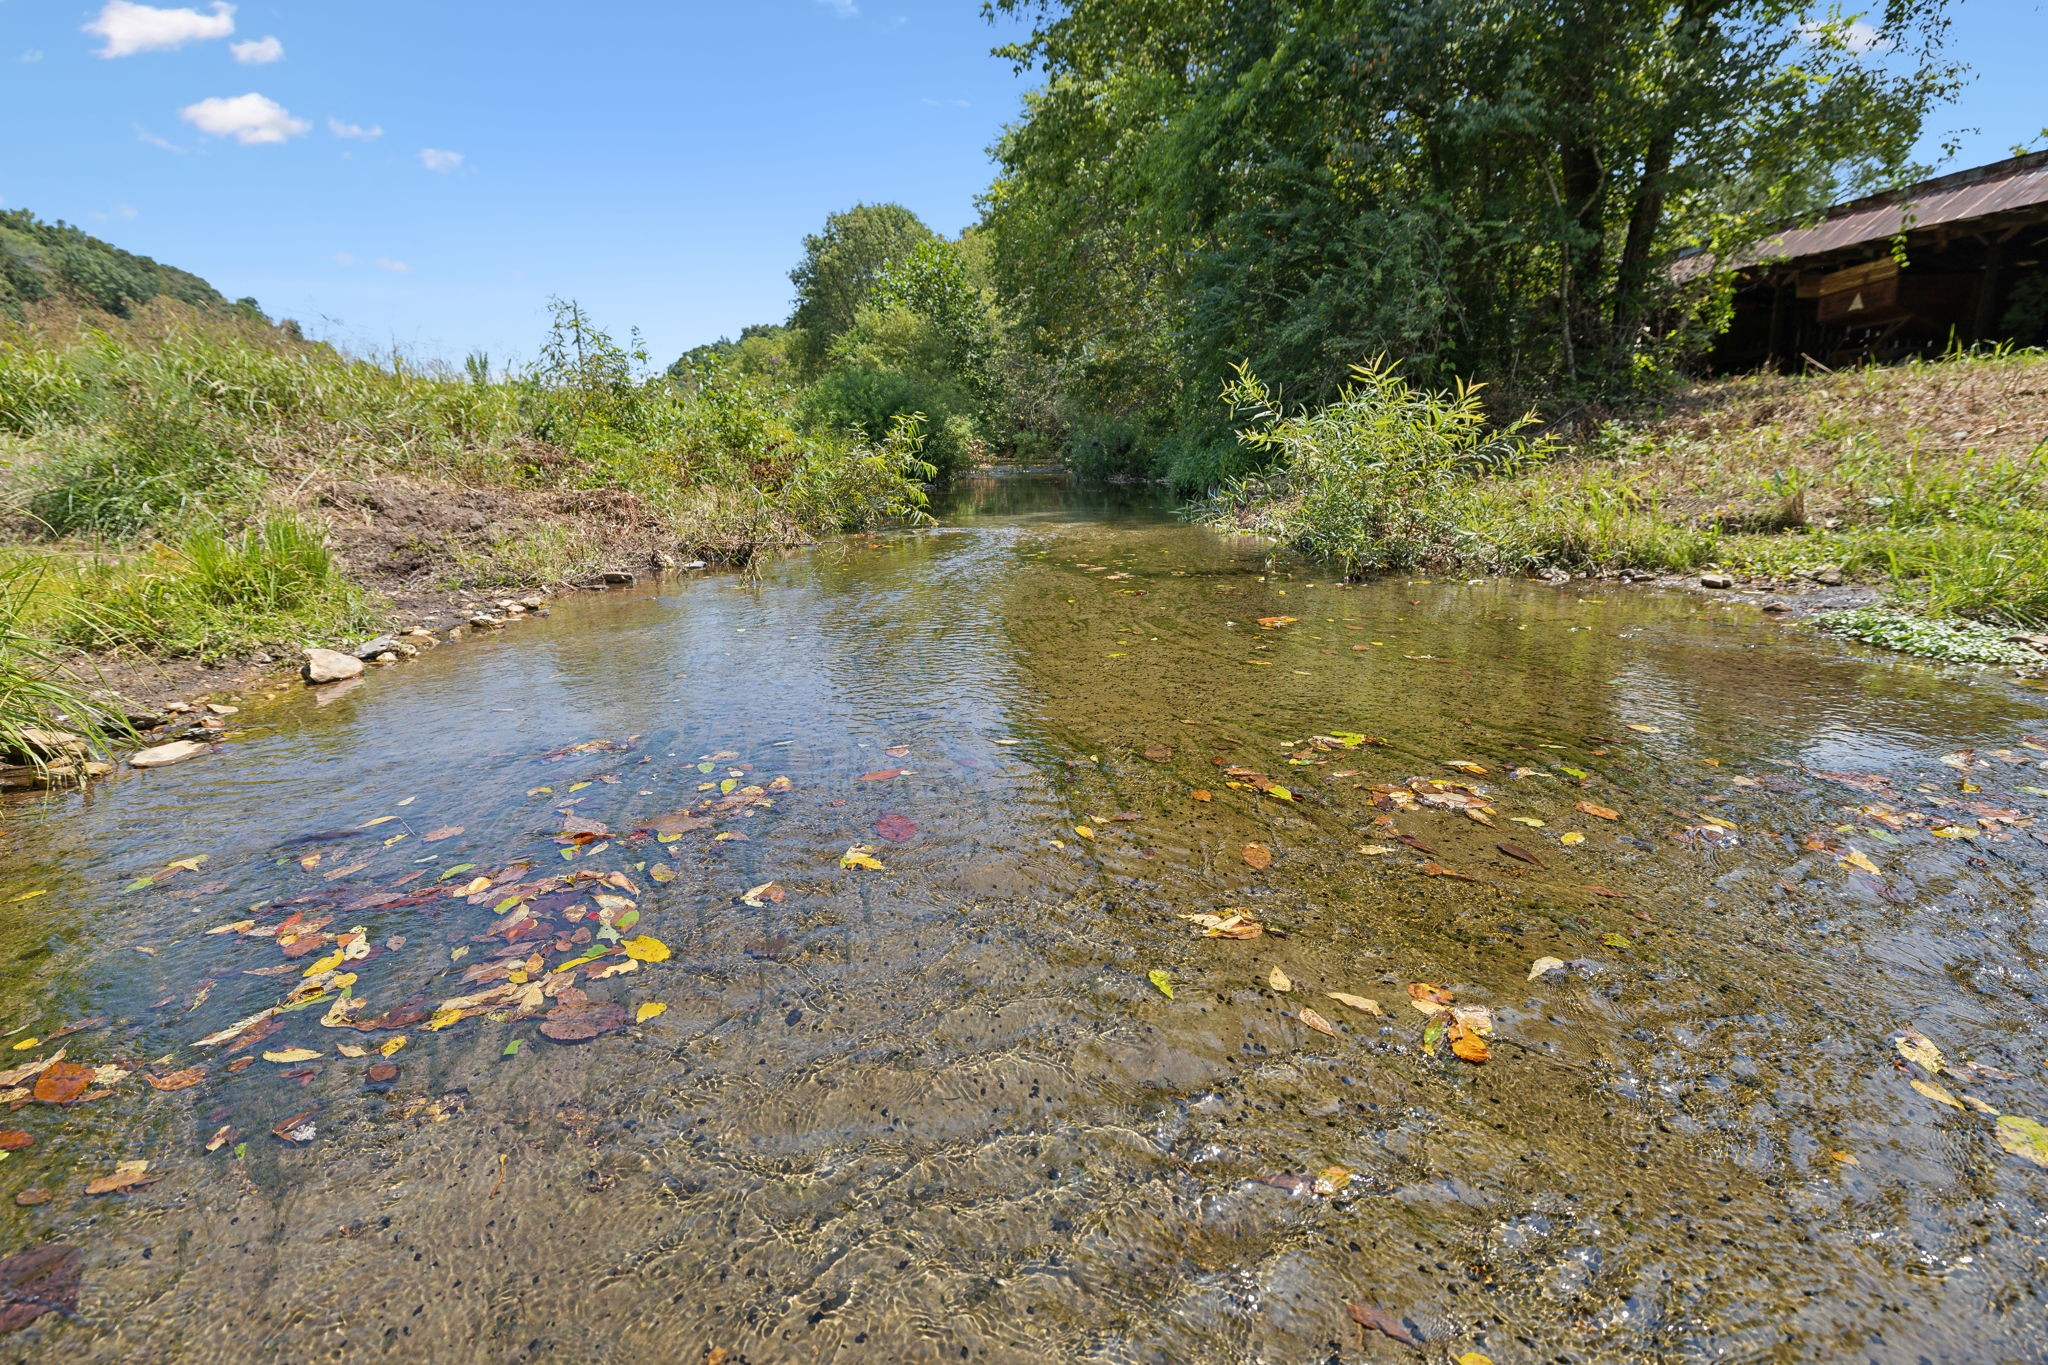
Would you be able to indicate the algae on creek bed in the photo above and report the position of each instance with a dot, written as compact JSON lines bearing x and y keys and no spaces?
{"x":936,"y":1108}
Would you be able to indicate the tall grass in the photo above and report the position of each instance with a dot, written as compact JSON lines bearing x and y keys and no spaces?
{"x":36,"y":692}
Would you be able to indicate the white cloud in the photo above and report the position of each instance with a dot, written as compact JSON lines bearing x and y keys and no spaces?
{"x":248,"y":119}
{"x":30,"y":57}
{"x":160,"y":143}
{"x":343,"y":258}
{"x":437,"y":159}
{"x":845,"y":9}
{"x":130,"y":28}
{"x":945,"y":104}
{"x":1852,"y":35}
{"x":257,"y":51}
{"x":126,"y":211}
{"x":354,"y":131}
{"x":399,"y":267}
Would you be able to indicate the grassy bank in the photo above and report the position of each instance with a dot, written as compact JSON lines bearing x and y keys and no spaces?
{"x":185,"y":482}
{"x":1929,"y":480}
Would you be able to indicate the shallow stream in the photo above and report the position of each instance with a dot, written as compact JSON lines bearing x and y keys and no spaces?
{"x":942,"y":1109}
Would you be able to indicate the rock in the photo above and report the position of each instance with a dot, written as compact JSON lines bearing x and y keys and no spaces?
{"x":512,"y":608}
{"x":419,"y":633}
{"x":370,"y":649}
{"x":482,"y":622}
{"x":1777,"y":606}
{"x":694,"y":564}
{"x":259,"y":657}
{"x":1716,"y":580}
{"x":1828,"y":575}
{"x":163,"y":755}
{"x":533,"y":603}
{"x":46,"y":745}
{"x":329,"y":666}
{"x":387,"y":657}
{"x":176,"y":708}
{"x":220,"y":710}
{"x":143,"y":720}
{"x":619,"y":578}
{"x":662,"y":559}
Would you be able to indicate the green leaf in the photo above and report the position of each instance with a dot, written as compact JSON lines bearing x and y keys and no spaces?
{"x":1158,"y":977}
{"x":2024,"y":1137}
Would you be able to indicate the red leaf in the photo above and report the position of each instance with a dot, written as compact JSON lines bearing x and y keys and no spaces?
{"x":883,"y":775}
{"x":897,"y":829}
{"x":63,"y":1082}
{"x":40,"y":1280}
{"x":1383,"y":1322}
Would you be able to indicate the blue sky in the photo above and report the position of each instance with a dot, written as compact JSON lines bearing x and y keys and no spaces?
{"x":426,"y":174}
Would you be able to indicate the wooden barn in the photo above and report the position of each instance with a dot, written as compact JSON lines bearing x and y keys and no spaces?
{"x":1976,"y":244}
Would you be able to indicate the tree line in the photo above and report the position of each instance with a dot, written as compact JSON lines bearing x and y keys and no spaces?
{"x":1483,"y":189}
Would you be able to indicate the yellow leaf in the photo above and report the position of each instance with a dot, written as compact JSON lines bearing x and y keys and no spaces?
{"x":1857,"y":860}
{"x":1917,"y":1048}
{"x":325,"y":964}
{"x":662,"y":872}
{"x":1846,"y":1159}
{"x":1936,"y":1093}
{"x":391,"y":1045}
{"x":1646,"y":729}
{"x":645,"y":949}
{"x":1316,"y":1022}
{"x":1531,"y":821}
{"x":291,"y":1054}
{"x":1572,"y":838}
{"x":649,"y":1011}
{"x":1474,"y":1358}
{"x":27,"y":1043}
{"x":1161,"y":981}
{"x":1279,"y":793}
{"x":1084,"y":831}
{"x":1357,"y":1002}
{"x":1280,"y":981}
{"x":861,"y":855}
{"x":1953,"y":832}
{"x":443,"y":1017}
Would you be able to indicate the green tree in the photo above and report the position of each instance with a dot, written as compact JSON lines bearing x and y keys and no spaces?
{"x":842,"y":263}
{"x":1481,"y":187}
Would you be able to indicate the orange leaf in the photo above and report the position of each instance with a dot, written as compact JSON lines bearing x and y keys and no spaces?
{"x":1598,"y":812}
{"x":1258,"y":856}
{"x":1316,"y":1022}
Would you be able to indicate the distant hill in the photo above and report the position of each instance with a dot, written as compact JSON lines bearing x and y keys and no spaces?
{"x":41,"y":261}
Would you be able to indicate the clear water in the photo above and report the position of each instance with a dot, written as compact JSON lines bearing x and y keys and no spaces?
{"x":938,"y":1112}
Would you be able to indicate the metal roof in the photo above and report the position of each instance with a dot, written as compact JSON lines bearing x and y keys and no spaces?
{"x":2017,"y":183}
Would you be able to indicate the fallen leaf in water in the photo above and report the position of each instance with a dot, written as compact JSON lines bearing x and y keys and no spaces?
{"x":1316,"y":1022}
{"x":39,"y":1280}
{"x":1917,"y":1048}
{"x":1545,"y":964}
{"x":1164,"y":983}
{"x":1236,"y":925}
{"x":222,"y":1136}
{"x":128,"y":1175}
{"x":766,"y":894}
{"x":1572,"y":838}
{"x":1466,"y":766}
{"x":883,"y":774}
{"x":2024,"y":1138}
{"x":1474,"y":1358}
{"x":862,"y":856}
{"x":1275,"y":622}
{"x":1615,"y":940}
{"x":1844,"y":1158}
{"x":1430,"y":992}
{"x":1381,"y":1321}
{"x":1531,"y":821}
{"x":1432,"y":868}
{"x":1158,"y":753}
{"x":581,"y":1023}
{"x":14,"y":1139}
{"x":1279,"y":981}
{"x":177,"y":1080}
{"x":1201,"y":795}
{"x":897,"y":829}
{"x":645,"y":949}
{"x":1937,"y":1093}
{"x":1468,"y":1045}
{"x":1419,"y":845}
{"x":291,"y":1054}
{"x":1646,"y":729}
{"x":1356,"y":1002}
{"x":1376,"y":850}
{"x":1084,"y":831}
{"x":1258,"y":856}
{"x":897,"y":750}
{"x":435,"y":836}
{"x":662,"y":872}
{"x":649,"y":1010}
{"x":1861,"y":863}
{"x":391,"y":1045}
{"x":1607,"y":893}
{"x":383,"y":1073}
{"x":1953,"y":832}
{"x":1599,"y":812}
{"x":63,"y":1082}
{"x":298,"y":1128}
{"x":1520,"y":854}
